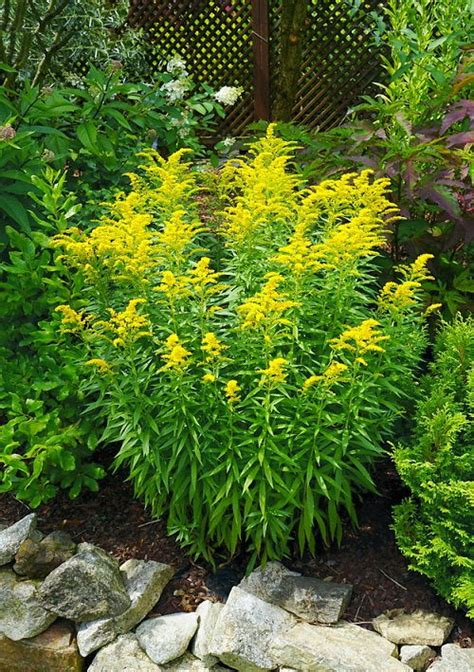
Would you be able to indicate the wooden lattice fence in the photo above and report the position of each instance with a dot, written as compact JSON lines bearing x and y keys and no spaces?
{"x":236,"y":42}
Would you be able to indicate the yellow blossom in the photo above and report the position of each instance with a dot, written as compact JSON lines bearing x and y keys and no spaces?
{"x":267,"y":308}
{"x":72,"y":321}
{"x":433,"y":307}
{"x":232,"y":390}
{"x":333,"y":374}
{"x":128,"y":325}
{"x":297,"y":255}
{"x":203,"y":278}
{"x":177,"y":356}
{"x":175,"y":287}
{"x":397,"y":297}
{"x":360,"y":339}
{"x":212,"y":346}
{"x":102,"y":366}
{"x":208,"y":378}
{"x":274,"y":373}
{"x":176,"y":237}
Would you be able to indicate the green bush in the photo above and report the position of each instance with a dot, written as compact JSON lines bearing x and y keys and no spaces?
{"x":250,"y":395}
{"x":435,"y":525}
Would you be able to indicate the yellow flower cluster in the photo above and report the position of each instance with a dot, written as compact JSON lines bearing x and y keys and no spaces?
{"x":298,"y":256}
{"x":177,"y":356}
{"x":176,"y":237}
{"x":167,"y":185}
{"x":208,"y":378}
{"x":333,"y":374}
{"x":212,"y":346}
{"x":352,"y":193}
{"x":268,"y":307}
{"x":72,"y":321}
{"x":203,"y":279}
{"x":232,"y":390}
{"x":267,"y":190}
{"x":398,"y":297}
{"x":127,"y":325}
{"x":175,"y":287}
{"x":360,"y":340}
{"x":102,"y":366}
{"x":275,"y":371}
{"x":344,"y":244}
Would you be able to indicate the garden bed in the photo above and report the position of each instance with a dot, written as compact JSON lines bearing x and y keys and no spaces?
{"x":368,"y":558}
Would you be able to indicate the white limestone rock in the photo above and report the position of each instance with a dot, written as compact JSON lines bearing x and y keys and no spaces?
{"x":417,"y":657}
{"x":420,"y":627}
{"x":308,"y":598}
{"x":189,"y":663}
{"x":123,"y":655}
{"x":21,"y":614}
{"x":167,"y":637}
{"x":144,"y":582}
{"x":339,"y":648}
{"x":11,"y":537}
{"x":207,"y":612}
{"x":245,"y":630}
{"x":454,"y":659}
{"x":88,"y":586}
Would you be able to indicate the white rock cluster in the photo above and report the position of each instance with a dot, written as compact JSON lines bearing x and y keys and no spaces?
{"x":274,"y":620}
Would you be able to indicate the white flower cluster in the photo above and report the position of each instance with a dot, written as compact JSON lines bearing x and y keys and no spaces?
{"x":177,"y":66}
{"x":175,"y":89}
{"x":228,"y":95}
{"x":228,"y":143}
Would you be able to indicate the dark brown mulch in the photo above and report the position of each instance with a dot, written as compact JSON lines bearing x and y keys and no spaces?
{"x":368,"y":558}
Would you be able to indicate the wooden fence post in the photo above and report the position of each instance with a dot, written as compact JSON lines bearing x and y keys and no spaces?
{"x":261,"y":54}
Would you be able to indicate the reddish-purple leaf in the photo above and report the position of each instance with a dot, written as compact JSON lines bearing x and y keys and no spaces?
{"x":465,"y":138}
{"x":459,"y":111}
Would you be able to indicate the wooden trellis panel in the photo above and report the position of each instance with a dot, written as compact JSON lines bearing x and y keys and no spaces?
{"x":235,"y":42}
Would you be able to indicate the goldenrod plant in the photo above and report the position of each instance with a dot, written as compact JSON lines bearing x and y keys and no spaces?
{"x":252,"y":374}
{"x":434,"y":526}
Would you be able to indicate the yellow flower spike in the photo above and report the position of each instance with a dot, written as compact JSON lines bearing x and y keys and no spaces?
{"x":232,"y":390}
{"x":173,"y":286}
{"x":129,"y":325}
{"x":72,"y":321}
{"x":333,"y":374}
{"x":208,"y":378}
{"x":176,"y":357}
{"x":203,"y":279}
{"x":418,"y":271}
{"x":102,"y":366}
{"x":297,"y":256}
{"x":212,"y":346}
{"x":268,"y":307}
{"x":274,"y":373}
{"x":176,"y":237}
{"x":432,"y":308}
{"x":360,"y":339}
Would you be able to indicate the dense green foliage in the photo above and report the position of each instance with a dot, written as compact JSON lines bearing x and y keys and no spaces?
{"x":434,"y":526}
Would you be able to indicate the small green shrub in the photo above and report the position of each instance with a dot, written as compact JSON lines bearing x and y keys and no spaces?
{"x":435,"y":525}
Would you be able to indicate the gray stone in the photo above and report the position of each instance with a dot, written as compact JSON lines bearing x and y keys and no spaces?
{"x":454,"y":659}
{"x":123,"y":655}
{"x":167,"y":637}
{"x":207,"y":613}
{"x":88,"y":586}
{"x":416,"y":657}
{"x":339,"y":648}
{"x":189,"y":663}
{"x":11,"y":537}
{"x":37,"y":559}
{"x":308,"y":598}
{"x":245,"y":629}
{"x":144,"y":582}
{"x":420,"y":627}
{"x":21,"y":614}
{"x":54,"y":650}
